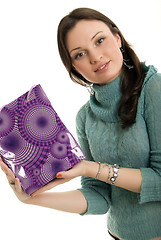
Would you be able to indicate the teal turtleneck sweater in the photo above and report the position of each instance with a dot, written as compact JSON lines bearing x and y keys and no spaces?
{"x":131,"y":216}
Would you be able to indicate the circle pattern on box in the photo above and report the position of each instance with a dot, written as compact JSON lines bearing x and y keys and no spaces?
{"x":12,"y":143}
{"x":7,"y":121}
{"x":34,"y":142}
{"x":37,"y":124}
{"x":62,"y":137}
{"x":26,"y":154}
{"x":52,"y":167}
{"x":59,"y":150}
{"x":36,"y":171}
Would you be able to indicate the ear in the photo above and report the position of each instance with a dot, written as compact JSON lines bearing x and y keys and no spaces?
{"x":118,"y":39}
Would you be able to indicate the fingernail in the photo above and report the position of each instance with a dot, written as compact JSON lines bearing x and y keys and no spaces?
{"x":58,"y":175}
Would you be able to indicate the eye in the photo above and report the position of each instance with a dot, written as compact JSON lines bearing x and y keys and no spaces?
{"x":79,"y":55}
{"x":100,"y":40}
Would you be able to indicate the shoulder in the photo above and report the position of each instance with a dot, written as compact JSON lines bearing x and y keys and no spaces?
{"x":81,"y":115}
{"x":152,"y":79}
{"x":81,"y":119}
{"x":152,"y":82}
{"x":151,"y":92}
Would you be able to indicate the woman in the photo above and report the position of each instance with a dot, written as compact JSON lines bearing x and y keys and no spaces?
{"x":118,"y":130}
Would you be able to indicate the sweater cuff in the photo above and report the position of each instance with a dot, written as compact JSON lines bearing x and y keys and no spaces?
{"x":151,"y":186}
{"x":96,"y":204}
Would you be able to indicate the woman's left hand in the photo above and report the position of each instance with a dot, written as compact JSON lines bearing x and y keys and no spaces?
{"x":64,"y":176}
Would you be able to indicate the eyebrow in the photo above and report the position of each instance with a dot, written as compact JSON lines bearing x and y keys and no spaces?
{"x":96,"y":35}
{"x":74,"y":49}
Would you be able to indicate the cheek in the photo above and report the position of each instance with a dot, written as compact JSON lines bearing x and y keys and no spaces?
{"x":117,"y":54}
{"x":80,"y":67}
{"x":113,"y":48}
{"x":120,"y":57}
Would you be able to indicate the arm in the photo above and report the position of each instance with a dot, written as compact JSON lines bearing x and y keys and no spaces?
{"x":128,"y":178}
{"x":72,"y":201}
{"x":146,"y":181}
{"x":76,"y":201}
{"x":151,"y":177}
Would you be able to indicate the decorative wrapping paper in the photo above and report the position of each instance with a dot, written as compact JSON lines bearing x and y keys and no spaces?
{"x":34,"y":142}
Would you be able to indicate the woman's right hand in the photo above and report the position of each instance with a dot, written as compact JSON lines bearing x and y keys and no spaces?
{"x":70,"y":201}
{"x":14,"y":183}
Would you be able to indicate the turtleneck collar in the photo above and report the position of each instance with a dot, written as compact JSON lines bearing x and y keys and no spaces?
{"x":105,"y":101}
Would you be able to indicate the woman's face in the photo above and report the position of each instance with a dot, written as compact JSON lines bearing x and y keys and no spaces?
{"x":95,"y":51}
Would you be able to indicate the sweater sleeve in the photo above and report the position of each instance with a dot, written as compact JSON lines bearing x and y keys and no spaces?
{"x":151,"y":183}
{"x":97,"y":193}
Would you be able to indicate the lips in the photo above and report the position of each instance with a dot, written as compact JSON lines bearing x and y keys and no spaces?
{"x":102,"y":67}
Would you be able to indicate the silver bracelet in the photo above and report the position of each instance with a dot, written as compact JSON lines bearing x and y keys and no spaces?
{"x":115,"y":174}
{"x":99,"y":170}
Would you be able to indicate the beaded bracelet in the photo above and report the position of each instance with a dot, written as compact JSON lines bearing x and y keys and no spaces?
{"x":111,"y":180}
{"x":115,"y":174}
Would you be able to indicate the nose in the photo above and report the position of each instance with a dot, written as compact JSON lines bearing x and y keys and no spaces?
{"x":95,"y":56}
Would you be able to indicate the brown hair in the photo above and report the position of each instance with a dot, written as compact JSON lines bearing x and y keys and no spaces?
{"x":132,"y":79}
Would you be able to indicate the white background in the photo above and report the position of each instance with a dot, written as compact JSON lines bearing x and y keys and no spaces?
{"x":28,"y":56}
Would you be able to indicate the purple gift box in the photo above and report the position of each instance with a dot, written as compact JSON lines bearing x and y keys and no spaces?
{"x":34,"y":142}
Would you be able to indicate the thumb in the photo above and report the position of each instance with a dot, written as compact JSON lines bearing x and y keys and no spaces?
{"x":61,"y":174}
{"x":71,"y":173}
{"x":66,"y":174}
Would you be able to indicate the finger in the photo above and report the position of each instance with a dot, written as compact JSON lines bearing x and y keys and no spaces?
{"x":4,"y":167}
{"x":2,"y":164}
{"x":66,"y":174}
{"x":9,"y":174}
{"x":18,"y":185}
{"x":6,"y":170}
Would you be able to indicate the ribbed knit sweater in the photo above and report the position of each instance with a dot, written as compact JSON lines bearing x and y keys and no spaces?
{"x":130,"y":215}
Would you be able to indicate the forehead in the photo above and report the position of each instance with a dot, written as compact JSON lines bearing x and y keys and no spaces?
{"x":84,"y":31}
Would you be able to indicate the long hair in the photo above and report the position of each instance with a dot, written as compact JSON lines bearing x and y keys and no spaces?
{"x":131,"y":79}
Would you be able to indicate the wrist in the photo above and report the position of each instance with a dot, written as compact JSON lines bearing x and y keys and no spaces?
{"x":90,"y":169}
{"x":85,"y":168}
{"x":101,"y":171}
